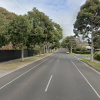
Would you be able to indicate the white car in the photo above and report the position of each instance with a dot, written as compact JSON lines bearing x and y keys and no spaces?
{"x":67,"y":52}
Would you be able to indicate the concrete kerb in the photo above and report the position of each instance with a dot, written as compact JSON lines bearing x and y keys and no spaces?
{"x":90,"y":66}
{"x":24,"y":65}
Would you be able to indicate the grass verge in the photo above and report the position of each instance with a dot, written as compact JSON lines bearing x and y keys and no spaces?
{"x":73,"y":53}
{"x":16,"y":64}
{"x":80,"y":54}
{"x":93,"y":64}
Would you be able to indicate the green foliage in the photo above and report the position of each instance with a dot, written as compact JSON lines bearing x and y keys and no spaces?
{"x":81,"y":50}
{"x":19,"y":29}
{"x":69,"y":42}
{"x":97,"y":40}
{"x":94,"y":64}
{"x":32,"y":29}
{"x":97,"y":56}
{"x":43,"y":30}
{"x":88,"y":19}
{"x":5,"y":18}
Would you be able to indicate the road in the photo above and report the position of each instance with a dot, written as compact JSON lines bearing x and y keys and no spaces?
{"x":60,"y":76}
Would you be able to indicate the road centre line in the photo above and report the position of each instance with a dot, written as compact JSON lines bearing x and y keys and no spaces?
{"x":88,"y":65}
{"x":21,"y":75}
{"x":86,"y":80}
{"x":48,"y":83}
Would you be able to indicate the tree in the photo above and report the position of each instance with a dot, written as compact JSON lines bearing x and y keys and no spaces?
{"x":5,"y":18}
{"x":97,"y":40}
{"x":44,"y":31}
{"x":18,"y":30}
{"x":88,"y":21}
{"x":38,"y":20}
{"x":69,"y":42}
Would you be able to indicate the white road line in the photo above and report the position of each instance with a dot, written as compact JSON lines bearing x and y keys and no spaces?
{"x":48,"y":83}
{"x":88,"y":65}
{"x":24,"y":66}
{"x":21,"y":75}
{"x":76,"y":57}
{"x":87,"y":80}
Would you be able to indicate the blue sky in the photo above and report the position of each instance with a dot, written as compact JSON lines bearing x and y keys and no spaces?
{"x":63,"y":12}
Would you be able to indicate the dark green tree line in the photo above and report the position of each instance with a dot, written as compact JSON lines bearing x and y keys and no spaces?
{"x":29,"y":30}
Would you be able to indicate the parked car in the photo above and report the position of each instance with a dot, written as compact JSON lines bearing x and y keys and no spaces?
{"x":67,"y":52}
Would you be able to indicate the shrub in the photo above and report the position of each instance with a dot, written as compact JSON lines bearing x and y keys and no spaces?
{"x":83,"y":52}
{"x":97,"y":56}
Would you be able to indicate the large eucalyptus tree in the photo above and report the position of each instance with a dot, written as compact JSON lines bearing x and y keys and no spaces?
{"x":88,"y":21}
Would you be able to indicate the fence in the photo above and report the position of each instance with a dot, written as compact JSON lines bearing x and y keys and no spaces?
{"x":6,"y":55}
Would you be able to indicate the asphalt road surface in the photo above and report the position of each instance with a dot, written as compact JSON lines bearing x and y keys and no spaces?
{"x":60,"y":76}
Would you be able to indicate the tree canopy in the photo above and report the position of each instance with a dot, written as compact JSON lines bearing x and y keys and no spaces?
{"x":44,"y":30}
{"x":5,"y":18}
{"x":88,"y":21}
{"x":19,"y":29}
{"x":29,"y":30}
{"x":69,"y":42}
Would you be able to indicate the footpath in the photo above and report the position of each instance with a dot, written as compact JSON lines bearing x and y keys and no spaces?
{"x":13,"y":65}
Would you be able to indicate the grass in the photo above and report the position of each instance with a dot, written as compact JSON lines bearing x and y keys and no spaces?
{"x":73,"y":53}
{"x":80,"y":54}
{"x":94,"y":64}
{"x":85,"y":54}
{"x":16,"y":64}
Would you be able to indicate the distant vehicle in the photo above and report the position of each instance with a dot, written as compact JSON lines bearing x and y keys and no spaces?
{"x":67,"y":52}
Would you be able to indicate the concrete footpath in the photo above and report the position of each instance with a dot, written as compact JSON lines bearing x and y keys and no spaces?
{"x":4,"y":72}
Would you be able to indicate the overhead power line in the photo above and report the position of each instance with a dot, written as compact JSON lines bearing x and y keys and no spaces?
{"x":9,"y":5}
{"x":22,"y":5}
{"x":19,"y":5}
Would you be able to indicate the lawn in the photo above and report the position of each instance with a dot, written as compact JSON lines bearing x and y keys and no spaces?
{"x":94,"y":64}
{"x":16,"y":64}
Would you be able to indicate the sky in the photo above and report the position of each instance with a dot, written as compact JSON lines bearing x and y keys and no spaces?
{"x":63,"y":12}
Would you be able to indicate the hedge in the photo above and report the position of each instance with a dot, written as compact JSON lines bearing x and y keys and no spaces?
{"x":97,"y":56}
{"x":82,"y":52}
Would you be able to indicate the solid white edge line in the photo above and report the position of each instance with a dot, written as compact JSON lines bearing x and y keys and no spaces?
{"x":91,"y":67}
{"x":22,"y":74}
{"x":48,"y":83}
{"x":24,"y":66}
{"x":86,"y":80}
{"x":88,"y":65}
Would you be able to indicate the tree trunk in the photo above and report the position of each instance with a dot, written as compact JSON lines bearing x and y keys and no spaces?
{"x":44,"y":49}
{"x":71,"y":49}
{"x":22,"y":53}
{"x":92,"y":47}
{"x":47,"y":48}
{"x":40,"y":50}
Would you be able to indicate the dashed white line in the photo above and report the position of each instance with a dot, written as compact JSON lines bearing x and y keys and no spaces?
{"x":21,"y":75}
{"x":48,"y":83}
{"x":87,"y":80}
